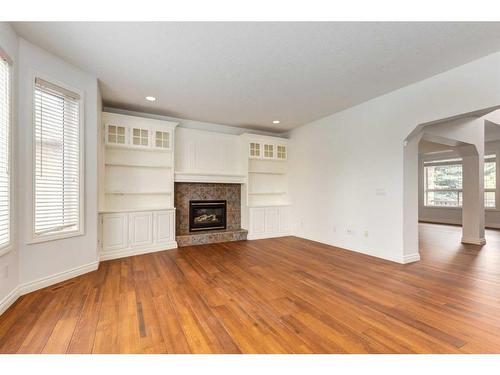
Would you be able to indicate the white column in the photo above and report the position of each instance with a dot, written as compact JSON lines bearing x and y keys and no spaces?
{"x":410,"y":200}
{"x":473,"y":196}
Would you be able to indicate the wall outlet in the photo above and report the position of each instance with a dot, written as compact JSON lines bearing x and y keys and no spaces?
{"x":334,"y":229}
{"x":366,"y":233}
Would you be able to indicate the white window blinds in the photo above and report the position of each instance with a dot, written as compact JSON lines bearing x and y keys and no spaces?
{"x":57,"y":160}
{"x":4,"y":152}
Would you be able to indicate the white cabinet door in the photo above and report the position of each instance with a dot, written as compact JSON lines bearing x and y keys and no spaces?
{"x":258,"y":220}
{"x":284,"y":220}
{"x":272,"y":220}
{"x":140,"y":228}
{"x":114,"y":231}
{"x":281,"y":152}
{"x":164,"y":226}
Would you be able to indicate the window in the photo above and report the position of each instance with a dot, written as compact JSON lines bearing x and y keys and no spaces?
{"x":162,"y":139}
{"x":490,"y":181}
{"x":140,"y":137}
{"x":58,"y":179}
{"x":443,"y":182}
{"x":4,"y":152}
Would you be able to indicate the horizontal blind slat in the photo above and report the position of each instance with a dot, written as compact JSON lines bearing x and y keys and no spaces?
{"x":5,"y":111}
{"x":57,"y":159}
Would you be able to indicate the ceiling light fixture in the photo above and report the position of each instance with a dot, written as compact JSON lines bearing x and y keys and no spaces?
{"x":276,"y":121}
{"x":150,"y":98}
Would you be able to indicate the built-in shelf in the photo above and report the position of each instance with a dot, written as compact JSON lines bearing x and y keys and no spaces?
{"x":137,"y":148}
{"x":269,"y":193}
{"x":267,"y":172}
{"x":269,"y":205}
{"x":135,"y":209}
{"x":113,"y":164}
{"x":138,"y":192}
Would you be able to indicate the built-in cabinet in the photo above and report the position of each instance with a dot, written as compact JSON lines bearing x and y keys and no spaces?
{"x":125,"y":233}
{"x":269,"y":149}
{"x":140,"y":160}
{"x":137,"y":208}
{"x":265,"y":196}
{"x":267,"y":222}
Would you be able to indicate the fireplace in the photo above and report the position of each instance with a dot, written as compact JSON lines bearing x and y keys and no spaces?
{"x":207,"y":215}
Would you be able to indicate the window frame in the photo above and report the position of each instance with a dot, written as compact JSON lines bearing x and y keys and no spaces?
{"x":51,"y":236}
{"x":453,"y":161}
{"x":7,"y":247}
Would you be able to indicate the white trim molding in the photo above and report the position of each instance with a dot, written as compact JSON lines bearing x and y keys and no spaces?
{"x":123,"y":253}
{"x":56,"y":278}
{"x":9,"y":300}
{"x":209,"y":177}
{"x":410,"y":258}
{"x":474,"y":241}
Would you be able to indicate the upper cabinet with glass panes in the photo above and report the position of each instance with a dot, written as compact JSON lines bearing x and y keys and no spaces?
{"x":162,"y":139}
{"x":116,"y":134}
{"x":255,"y":150}
{"x":137,"y":133}
{"x":140,"y":137}
{"x":267,"y":150}
{"x":281,"y":152}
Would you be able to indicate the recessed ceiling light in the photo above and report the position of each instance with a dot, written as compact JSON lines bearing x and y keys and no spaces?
{"x":276,"y":121}
{"x":150,"y":98}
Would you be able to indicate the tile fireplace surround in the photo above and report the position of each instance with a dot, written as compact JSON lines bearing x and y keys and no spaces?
{"x":186,"y":191}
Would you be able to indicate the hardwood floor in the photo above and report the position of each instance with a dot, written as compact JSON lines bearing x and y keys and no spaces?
{"x":284,"y":295}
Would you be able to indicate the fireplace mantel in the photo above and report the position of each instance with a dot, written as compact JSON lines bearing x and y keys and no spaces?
{"x":204,"y":177}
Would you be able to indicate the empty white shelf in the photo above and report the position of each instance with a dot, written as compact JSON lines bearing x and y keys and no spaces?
{"x":113,"y":164}
{"x":138,"y":192}
{"x":269,"y":193}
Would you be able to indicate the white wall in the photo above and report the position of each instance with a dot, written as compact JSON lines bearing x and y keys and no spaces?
{"x":347,"y":169}
{"x":48,"y":261}
{"x":9,"y":262}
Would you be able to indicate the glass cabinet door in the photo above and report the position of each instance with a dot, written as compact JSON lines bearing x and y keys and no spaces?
{"x":255,"y":151}
{"x":140,"y":137}
{"x":268,"y":151}
{"x":281,"y":152}
{"x":162,"y":139}
{"x":116,"y":134}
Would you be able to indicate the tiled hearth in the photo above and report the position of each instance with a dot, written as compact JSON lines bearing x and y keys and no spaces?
{"x":231,"y":193}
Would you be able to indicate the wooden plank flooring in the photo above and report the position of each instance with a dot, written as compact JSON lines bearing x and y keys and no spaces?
{"x":283,"y":295}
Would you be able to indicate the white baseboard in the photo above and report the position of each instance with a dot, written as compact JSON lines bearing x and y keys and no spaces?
{"x":56,"y":278}
{"x":44,"y":282}
{"x":401,"y":260}
{"x":8,"y":300}
{"x":410,"y":258}
{"x":474,"y":241}
{"x":123,"y":253}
